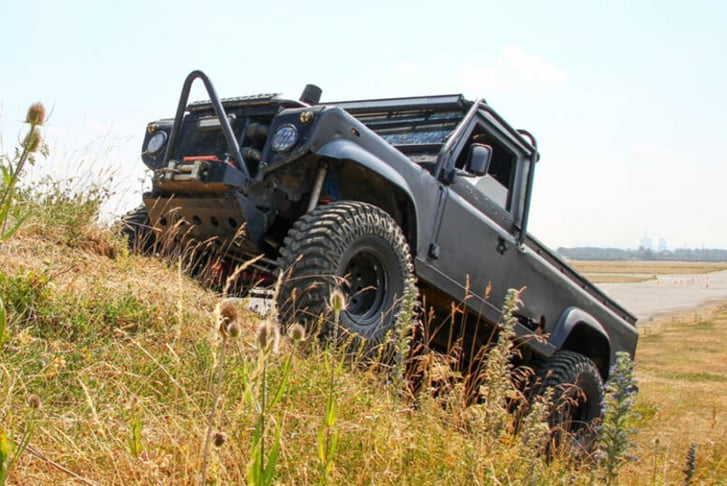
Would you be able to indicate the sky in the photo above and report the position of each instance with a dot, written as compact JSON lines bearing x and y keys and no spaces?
{"x":626,"y":98}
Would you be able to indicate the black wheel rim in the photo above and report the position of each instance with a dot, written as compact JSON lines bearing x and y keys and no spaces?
{"x":578,"y":412}
{"x":365,"y":287}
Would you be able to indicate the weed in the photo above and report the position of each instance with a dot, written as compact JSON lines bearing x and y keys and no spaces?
{"x":135,"y":429}
{"x":12,"y":168}
{"x":690,"y":467}
{"x":3,"y":324}
{"x":63,"y":210}
{"x":498,"y":381}
{"x":228,"y":325}
{"x":261,"y":469}
{"x":11,"y":451}
{"x":328,"y":434}
{"x":616,"y":428}
{"x":400,"y":339}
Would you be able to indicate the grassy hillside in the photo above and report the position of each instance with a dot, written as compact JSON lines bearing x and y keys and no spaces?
{"x":123,"y":352}
{"x":119,"y":369}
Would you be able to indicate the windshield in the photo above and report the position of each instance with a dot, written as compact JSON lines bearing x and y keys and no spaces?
{"x":414,"y":127}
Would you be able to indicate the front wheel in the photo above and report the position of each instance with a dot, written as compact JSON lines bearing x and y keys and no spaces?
{"x":352,"y":246}
{"x":135,"y":226}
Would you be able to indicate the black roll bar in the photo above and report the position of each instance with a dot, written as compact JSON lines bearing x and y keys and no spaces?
{"x":221,"y":115}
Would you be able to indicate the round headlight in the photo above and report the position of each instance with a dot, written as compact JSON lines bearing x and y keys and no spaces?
{"x":156,"y":142}
{"x":285,"y":138}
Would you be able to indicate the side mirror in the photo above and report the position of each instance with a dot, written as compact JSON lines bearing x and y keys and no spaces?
{"x":478,"y":159}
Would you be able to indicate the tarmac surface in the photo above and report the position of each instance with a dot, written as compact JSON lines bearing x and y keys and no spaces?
{"x":668,"y":294}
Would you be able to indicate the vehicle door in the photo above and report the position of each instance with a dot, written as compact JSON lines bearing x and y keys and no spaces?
{"x":476,"y":242}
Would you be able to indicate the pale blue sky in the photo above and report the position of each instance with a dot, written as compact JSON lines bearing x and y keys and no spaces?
{"x":626,"y":98}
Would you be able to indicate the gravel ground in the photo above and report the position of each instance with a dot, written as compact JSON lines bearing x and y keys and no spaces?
{"x":668,"y":294}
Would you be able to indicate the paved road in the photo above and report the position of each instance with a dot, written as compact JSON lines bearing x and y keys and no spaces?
{"x":668,"y":294}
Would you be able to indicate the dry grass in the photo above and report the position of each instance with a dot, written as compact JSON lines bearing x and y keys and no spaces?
{"x":681,"y":364}
{"x":122,"y":351}
{"x":646,"y":268}
{"x":640,"y":271}
{"x":120,"y":346}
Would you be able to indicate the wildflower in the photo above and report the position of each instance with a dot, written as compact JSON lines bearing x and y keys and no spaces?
{"x":296,"y":332}
{"x":34,"y":401}
{"x":36,"y":114}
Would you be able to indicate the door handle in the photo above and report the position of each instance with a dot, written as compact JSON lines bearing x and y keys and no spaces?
{"x":502,"y":245}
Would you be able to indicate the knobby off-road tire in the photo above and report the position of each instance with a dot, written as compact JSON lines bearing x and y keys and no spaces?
{"x":577,"y":397}
{"x":357,"y":248}
{"x":136,"y":227}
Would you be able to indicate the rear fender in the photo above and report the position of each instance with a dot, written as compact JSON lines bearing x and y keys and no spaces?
{"x":577,"y":330}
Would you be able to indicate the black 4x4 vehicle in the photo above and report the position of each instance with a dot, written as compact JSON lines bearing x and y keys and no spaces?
{"x":370,"y":197}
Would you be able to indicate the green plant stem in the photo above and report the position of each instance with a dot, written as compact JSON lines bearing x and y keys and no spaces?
{"x":9,"y":190}
{"x":213,"y":413}
{"x":263,"y":413}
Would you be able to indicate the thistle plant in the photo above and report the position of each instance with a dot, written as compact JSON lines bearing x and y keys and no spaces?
{"x":533,"y":428}
{"x":691,"y":465}
{"x":402,"y":336}
{"x":11,"y":451}
{"x":261,"y":468}
{"x":328,"y":435}
{"x":615,"y":435}
{"x":228,"y":326}
{"x":12,"y":168}
{"x":497,"y":375}
{"x":3,"y":324}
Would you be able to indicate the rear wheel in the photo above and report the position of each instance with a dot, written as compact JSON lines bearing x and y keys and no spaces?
{"x":352,"y":246}
{"x":577,"y":397}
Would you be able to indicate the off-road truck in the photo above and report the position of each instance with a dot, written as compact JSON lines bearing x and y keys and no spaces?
{"x":373,"y":197}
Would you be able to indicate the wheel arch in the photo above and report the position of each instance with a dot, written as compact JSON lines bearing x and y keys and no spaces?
{"x":353,"y":163}
{"x":578,"y":331}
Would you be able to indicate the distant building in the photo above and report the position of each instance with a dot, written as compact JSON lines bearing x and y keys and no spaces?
{"x":646,"y":243}
{"x":662,"y":245}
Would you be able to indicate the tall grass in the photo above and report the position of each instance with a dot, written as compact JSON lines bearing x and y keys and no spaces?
{"x":145,"y":380}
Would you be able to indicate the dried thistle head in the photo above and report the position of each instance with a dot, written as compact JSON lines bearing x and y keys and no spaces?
{"x":219,"y":439}
{"x":234,"y":329}
{"x":228,"y":312}
{"x":296,"y":332}
{"x":337,"y":301}
{"x":34,"y":401}
{"x":268,"y":337}
{"x":36,"y":114}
